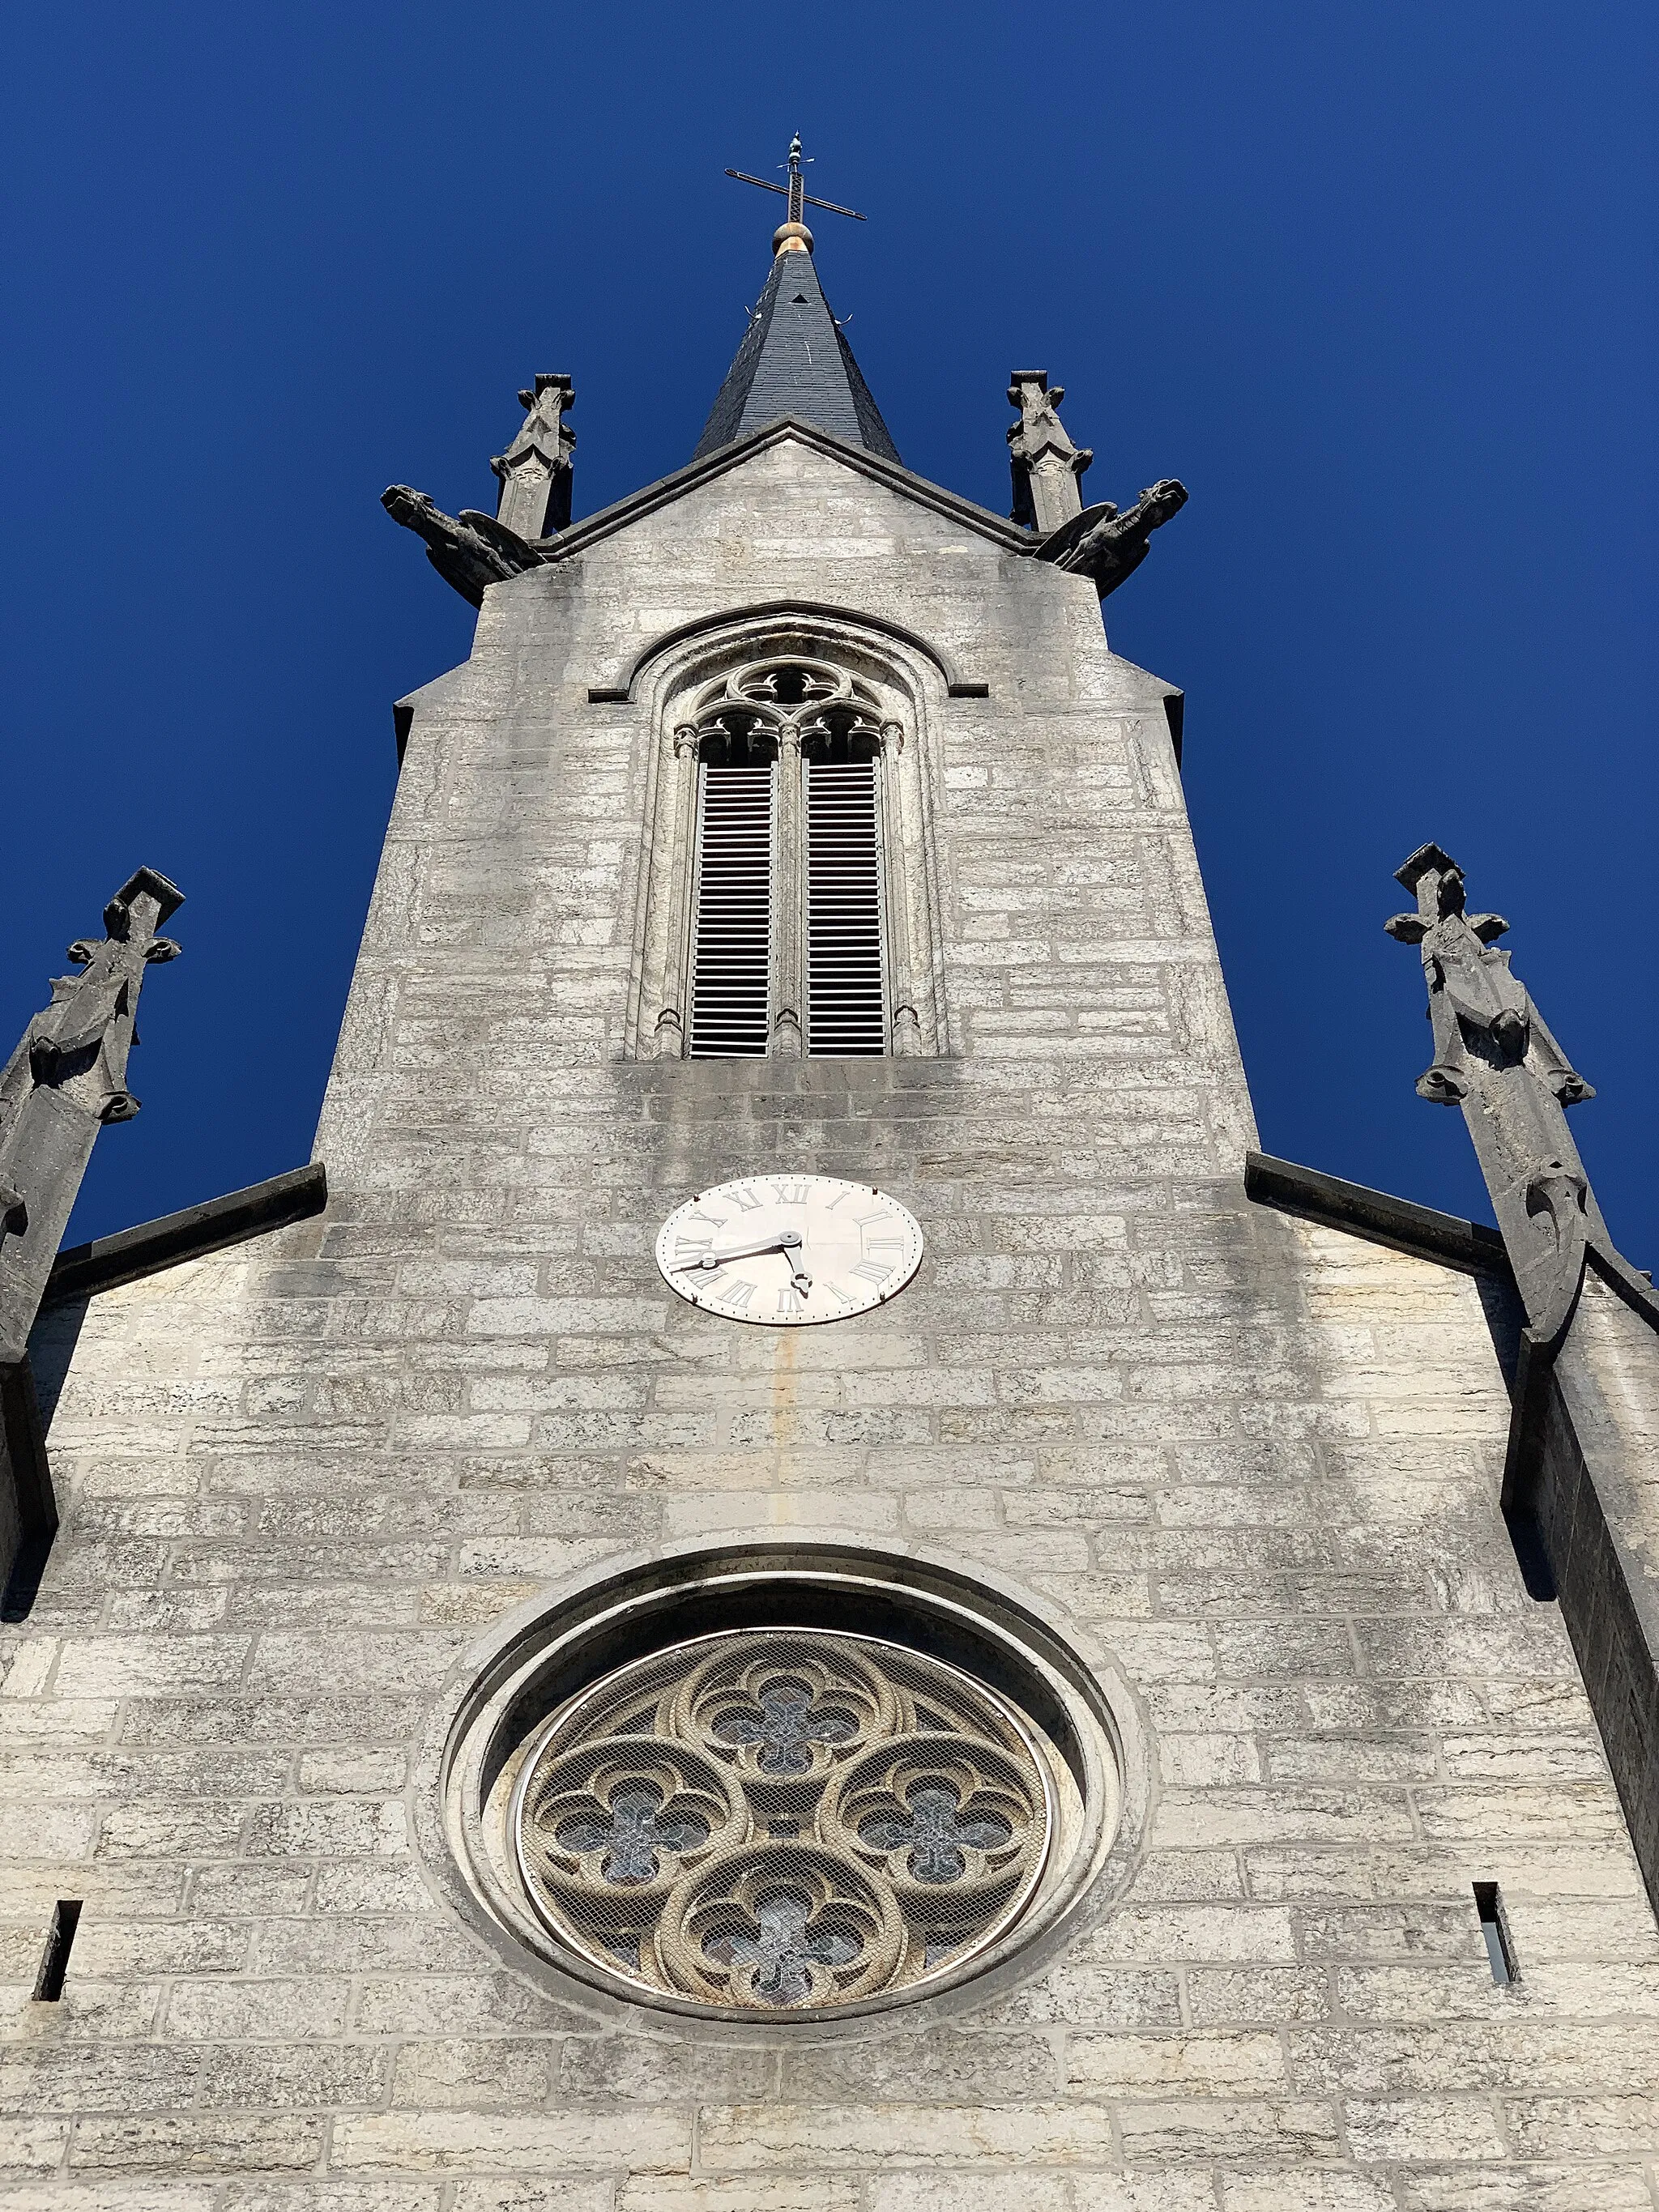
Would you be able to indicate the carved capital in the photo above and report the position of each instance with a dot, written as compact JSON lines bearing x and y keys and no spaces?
{"x":907,"y":1033}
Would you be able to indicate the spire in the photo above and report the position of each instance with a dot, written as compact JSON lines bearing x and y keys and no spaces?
{"x":794,"y":359}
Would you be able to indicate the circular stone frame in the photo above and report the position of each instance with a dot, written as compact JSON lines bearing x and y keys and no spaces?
{"x":550,"y":1652}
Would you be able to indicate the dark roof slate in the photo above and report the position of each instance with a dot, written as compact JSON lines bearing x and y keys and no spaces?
{"x":795,"y":360}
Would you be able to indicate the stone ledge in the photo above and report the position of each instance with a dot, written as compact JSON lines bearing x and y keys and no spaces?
{"x":109,"y":1261}
{"x":1396,"y":1222}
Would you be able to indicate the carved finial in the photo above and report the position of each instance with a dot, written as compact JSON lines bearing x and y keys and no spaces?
{"x":1495,"y":1056}
{"x":535,"y":470}
{"x":1472,"y":994}
{"x":1047,"y":468}
{"x":66,"y":1079}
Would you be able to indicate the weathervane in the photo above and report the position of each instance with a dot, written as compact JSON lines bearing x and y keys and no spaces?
{"x":796,"y":192}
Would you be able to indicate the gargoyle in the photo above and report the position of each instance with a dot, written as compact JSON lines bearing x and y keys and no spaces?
{"x":470,"y":550}
{"x":1101,"y":543}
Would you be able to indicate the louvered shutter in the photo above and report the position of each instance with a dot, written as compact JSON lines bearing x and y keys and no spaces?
{"x":732,"y":944}
{"x":846,"y":993}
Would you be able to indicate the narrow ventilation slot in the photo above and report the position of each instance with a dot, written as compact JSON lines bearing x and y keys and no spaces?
{"x":731,"y":955}
{"x":54,"y":1960}
{"x":846,"y":995}
{"x":1500,"y":1951}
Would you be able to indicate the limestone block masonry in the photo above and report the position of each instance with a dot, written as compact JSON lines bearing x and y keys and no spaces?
{"x":1249,"y":1466}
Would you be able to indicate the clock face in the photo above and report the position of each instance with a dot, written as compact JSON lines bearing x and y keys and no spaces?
{"x":788,"y":1248}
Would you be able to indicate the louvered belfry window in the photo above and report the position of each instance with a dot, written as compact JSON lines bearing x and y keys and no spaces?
{"x":846,"y":997}
{"x":787,"y":947}
{"x":732,"y":939}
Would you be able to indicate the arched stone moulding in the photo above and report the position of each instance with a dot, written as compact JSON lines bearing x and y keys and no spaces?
{"x":900,"y":689}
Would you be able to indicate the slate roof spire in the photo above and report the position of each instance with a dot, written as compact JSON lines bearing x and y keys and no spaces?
{"x":794,"y":359}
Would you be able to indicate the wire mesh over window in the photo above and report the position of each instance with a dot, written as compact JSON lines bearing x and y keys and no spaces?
{"x":846,"y":993}
{"x":783,"y":1820}
{"x":731,"y":961}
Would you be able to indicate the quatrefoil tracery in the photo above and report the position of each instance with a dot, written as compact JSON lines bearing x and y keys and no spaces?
{"x":783,"y":1819}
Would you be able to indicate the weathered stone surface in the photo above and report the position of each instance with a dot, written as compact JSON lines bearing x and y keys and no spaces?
{"x":1252,"y":1461}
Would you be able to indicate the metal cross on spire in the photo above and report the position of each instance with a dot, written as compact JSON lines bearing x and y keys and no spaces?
{"x":795,"y":191}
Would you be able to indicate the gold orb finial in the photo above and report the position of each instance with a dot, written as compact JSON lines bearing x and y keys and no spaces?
{"x":791,"y":238}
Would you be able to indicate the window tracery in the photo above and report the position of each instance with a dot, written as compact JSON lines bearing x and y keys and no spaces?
{"x":789,"y":906}
{"x":788,"y":1820}
{"x":766,"y":1784}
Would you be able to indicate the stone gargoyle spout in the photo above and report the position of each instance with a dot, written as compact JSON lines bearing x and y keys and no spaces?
{"x":470,"y":550}
{"x":1101,"y":543}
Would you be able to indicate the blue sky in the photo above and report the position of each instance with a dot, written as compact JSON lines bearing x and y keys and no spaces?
{"x":1377,"y":282}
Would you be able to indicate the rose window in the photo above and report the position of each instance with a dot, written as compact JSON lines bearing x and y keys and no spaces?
{"x":783,"y":1819}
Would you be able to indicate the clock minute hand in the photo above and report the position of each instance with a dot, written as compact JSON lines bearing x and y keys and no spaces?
{"x":781,"y":1240}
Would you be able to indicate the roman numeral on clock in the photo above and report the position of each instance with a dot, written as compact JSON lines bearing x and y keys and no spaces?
{"x":778,"y":1248}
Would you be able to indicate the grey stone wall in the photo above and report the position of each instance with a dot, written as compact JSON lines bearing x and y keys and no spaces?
{"x":1254,"y":1462}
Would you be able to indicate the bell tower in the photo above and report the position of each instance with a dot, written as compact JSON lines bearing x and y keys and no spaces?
{"x":817,"y":1587}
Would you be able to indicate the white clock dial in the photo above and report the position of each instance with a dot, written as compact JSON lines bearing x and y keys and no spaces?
{"x":788,"y":1248}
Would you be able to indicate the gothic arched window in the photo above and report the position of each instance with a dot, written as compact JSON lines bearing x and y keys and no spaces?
{"x":786,"y":904}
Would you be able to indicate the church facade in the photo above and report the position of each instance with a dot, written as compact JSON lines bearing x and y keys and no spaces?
{"x":794,"y":1600}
